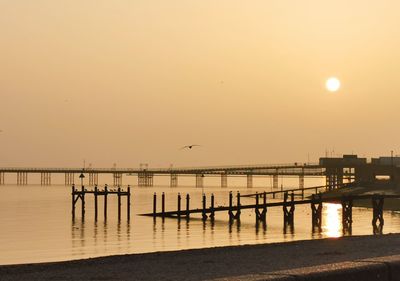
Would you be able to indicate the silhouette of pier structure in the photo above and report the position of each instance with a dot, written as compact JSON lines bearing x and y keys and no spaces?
{"x":288,"y":205}
{"x":80,"y":195}
{"x":336,"y":170}
{"x":145,"y":175}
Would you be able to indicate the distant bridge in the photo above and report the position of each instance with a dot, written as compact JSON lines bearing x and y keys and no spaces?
{"x":145,"y":174}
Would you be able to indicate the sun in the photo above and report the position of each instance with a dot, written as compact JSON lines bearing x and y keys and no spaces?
{"x":332,"y":84}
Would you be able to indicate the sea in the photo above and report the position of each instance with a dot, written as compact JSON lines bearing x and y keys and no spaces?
{"x":36,"y":223}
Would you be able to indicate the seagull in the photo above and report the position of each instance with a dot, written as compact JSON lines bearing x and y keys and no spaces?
{"x":190,"y":146}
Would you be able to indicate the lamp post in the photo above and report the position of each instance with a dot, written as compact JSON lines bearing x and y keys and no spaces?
{"x":82,"y":176}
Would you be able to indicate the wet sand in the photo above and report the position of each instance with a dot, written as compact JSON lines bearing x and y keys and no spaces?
{"x":211,"y":263}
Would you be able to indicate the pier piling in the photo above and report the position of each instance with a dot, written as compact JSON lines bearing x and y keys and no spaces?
{"x":187,"y":206}
{"x":204,"y":213}
{"x":95,"y":203}
{"x":154,"y":204}
{"x":105,"y":201}
{"x":377,"y":219}
{"x":119,"y":203}
{"x":179,"y":206}
{"x":212,"y":209}
{"x":163,"y":204}
{"x":81,"y":195}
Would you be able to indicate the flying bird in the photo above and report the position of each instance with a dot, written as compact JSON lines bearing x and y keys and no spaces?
{"x":190,"y":146}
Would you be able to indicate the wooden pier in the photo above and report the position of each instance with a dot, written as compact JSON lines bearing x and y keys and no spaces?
{"x":288,"y":205}
{"x":80,"y":195}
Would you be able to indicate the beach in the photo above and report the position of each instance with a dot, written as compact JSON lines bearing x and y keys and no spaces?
{"x":224,"y":263}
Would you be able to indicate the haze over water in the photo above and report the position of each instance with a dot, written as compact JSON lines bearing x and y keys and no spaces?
{"x":37,"y":225}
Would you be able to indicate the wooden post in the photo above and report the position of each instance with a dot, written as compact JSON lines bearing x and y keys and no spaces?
{"x":83,"y":201}
{"x":237,"y":216}
{"x":179,"y":206}
{"x":105,"y":201}
{"x":119,"y":203}
{"x":212,"y":210}
{"x":73,"y":201}
{"x":264,"y":212}
{"x":163,"y":204}
{"x":95,"y":202}
{"x":230,"y":211}
{"x":204,"y":215}
{"x":187,"y":206}
{"x":128,"y":203}
{"x":256,"y":209}
{"x":154,"y":204}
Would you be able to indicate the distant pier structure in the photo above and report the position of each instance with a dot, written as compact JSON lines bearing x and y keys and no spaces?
{"x":337,"y":171}
{"x":382,"y":171}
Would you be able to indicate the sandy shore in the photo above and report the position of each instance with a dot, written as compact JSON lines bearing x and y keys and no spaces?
{"x":205,"y":264}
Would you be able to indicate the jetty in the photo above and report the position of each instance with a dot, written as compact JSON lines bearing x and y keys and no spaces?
{"x":80,"y":195}
{"x":288,"y":205}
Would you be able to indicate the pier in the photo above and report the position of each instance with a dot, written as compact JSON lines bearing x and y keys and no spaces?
{"x":81,"y":195}
{"x":337,"y":171}
{"x":288,"y":205}
{"x":145,"y":175}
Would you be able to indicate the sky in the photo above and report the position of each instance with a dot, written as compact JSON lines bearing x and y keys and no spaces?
{"x":130,"y":82}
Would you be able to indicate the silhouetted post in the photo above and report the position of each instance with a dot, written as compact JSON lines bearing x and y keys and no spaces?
{"x":264,"y":212}
{"x":128,"y":203}
{"x":230,"y":211}
{"x":256,"y":209}
{"x":273,"y":195}
{"x":187,"y":206}
{"x":212,"y":210}
{"x":347,"y":218}
{"x":377,"y":218}
{"x":302,"y":193}
{"x":163,"y":204}
{"x":95,"y":202}
{"x":179,"y":206}
{"x":204,"y":215}
{"x":83,"y":201}
{"x":105,"y":201}
{"x":119,"y":203}
{"x":73,"y":201}
{"x":238,"y":211}
{"x":154,"y":204}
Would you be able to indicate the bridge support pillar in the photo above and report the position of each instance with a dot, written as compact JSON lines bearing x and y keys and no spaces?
{"x":377,"y":219}
{"x":2,"y":181}
{"x":22,"y":178}
{"x":45,"y":178}
{"x":334,"y":178}
{"x":249,"y":181}
{"x":199,"y":180}
{"x":347,"y":215}
{"x":275,"y":181}
{"x":69,"y":179}
{"x":224,"y":180}
{"x":145,"y":179}
{"x":117,"y":179}
{"x":94,"y":178}
{"x":173,"y":180}
{"x":301,"y":181}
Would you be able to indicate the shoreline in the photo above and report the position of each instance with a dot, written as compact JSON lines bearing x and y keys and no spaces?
{"x":211,"y":263}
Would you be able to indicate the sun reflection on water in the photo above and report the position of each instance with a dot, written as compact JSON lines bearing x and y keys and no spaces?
{"x":331,"y":221}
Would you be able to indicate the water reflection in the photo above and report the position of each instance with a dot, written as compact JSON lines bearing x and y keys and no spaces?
{"x":331,"y":222}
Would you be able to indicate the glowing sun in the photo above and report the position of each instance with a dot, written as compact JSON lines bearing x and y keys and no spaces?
{"x":332,"y":84}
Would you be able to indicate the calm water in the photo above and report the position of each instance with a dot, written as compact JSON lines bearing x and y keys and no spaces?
{"x":36,"y":225}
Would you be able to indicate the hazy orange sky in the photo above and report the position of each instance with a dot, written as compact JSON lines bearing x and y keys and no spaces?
{"x":131,"y":82}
